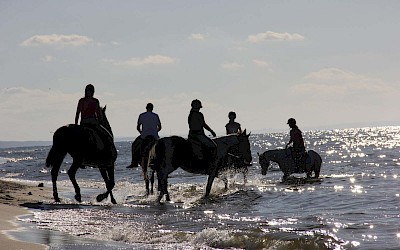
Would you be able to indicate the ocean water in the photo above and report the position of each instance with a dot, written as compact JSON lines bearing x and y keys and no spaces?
{"x":354,"y":205}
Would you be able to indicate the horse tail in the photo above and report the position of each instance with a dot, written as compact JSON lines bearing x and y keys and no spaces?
{"x":153,"y":155}
{"x":58,"y":150}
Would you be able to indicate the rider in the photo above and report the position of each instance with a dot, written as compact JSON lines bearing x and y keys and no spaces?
{"x":232,"y":127}
{"x":148,"y":124}
{"x":296,"y":137}
{"x":197,"y":125}
{"x":88,"y":108}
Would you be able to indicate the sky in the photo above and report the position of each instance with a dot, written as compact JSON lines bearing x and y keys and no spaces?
{"x":328,"y":64}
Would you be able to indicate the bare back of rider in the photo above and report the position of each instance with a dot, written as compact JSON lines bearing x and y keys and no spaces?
{"x":89,"y":109}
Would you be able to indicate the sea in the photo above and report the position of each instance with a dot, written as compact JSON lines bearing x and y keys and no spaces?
{"x":355,"y":204}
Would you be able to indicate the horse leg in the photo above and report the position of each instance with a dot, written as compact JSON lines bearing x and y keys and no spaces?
{"x":146,"y":179}
{"x":152,"y":182}
{"x":163,"y":186}
{"x":54,"y":174}
{"x":111,"y":183}
{"x":76,"y":164}
{"x":224,"y":178}
{"x":108,"y":177}
{"x":245,"y":172}
{"x":210,"y":180}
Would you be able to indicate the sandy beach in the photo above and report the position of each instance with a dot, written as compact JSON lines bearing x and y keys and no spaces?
{"x":12,"y":196}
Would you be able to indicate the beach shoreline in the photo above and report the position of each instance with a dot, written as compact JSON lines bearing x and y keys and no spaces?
{"x":12,"y":197}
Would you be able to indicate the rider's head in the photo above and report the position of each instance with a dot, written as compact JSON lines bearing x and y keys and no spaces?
{"x":232,"y":115}
{"x":196,"y":104}
{"x":291,"y":122}
{"x":149,"y":107}
{"x":89,"y":90}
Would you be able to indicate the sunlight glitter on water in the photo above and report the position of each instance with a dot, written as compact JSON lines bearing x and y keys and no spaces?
{"x":354,"y":205}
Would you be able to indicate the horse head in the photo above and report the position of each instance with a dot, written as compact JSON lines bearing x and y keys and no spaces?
{"x":264,"y":162}
{"x":103,"y":121}
{"x":244,"y":147}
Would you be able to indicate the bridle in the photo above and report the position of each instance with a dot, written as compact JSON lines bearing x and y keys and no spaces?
{"x":108,"y":132}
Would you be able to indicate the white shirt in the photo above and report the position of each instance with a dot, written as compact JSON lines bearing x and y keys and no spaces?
{"x":150,"y":123}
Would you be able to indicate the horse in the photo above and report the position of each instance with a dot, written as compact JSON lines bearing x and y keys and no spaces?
{"x":87,"y":145}
{"x":287,"y":165}
{"x":170,"y":153}
{"x":140,"y":151}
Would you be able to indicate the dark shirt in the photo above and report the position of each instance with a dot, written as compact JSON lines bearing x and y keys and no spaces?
{"x":196,"y":122}
{"x":232,"y":128}
{"x":297,"y":138}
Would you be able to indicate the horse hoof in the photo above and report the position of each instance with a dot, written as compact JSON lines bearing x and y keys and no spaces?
{"x":113,"y":201}
{"x":101,"y":197}
{"x":78,"y":198}
{"x":57,"y":199}
{"x":167,"y":198}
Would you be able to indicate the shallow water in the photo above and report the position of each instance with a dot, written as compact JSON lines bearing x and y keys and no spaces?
{"x":354,"y":205}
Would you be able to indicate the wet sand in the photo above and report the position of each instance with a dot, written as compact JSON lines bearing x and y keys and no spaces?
{"x":12,"y":196}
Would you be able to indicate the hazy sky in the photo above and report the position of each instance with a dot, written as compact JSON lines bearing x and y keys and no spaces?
{"x":324,"y":63}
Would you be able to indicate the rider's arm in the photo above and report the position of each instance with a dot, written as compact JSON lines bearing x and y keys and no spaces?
{"x":139,"y":123}
{"x":159,"y":123}
{"x":290,"y":140}
{"x":78,"y":111}
{"x":209,"y":129}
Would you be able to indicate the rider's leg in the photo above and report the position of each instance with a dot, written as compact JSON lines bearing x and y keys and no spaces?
{"x":136,"y":152}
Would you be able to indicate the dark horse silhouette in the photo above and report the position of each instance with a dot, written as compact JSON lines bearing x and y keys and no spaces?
{"x":286,"y":163}
{"x":87,"y":146}
{"x":170,"y":153}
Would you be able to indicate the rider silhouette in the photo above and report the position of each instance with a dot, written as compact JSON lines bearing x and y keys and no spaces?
{"x":296,"y":138}
{"x":88,"y":108}
{"x":148,"y":125}
{"x":197,"y":125}
{"x":232,"y":127}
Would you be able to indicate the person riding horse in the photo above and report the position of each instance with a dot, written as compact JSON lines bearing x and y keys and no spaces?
{"x":91,"y":113}
{"x":197,"y":125}
{"x":232,"y":127}
{"x":89,"y":108}
{"x":148,"y":125}
{"x":298,"y":150}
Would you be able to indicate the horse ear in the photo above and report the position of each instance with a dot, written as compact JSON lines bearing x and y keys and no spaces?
{"x":104,"y":109}
{"x":244,"y":132}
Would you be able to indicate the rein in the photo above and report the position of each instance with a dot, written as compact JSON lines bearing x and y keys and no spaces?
{"x":108,"y":132}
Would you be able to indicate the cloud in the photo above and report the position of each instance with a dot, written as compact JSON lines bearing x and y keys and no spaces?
{"x":196,"y":36}
{"x":334,"y":81}
{"x":149,"y":60}
{"x":39,"y":114}
{"x":261,"y":63}
{"x":48,"y":58}
{"x":274,"y":36}
{"x":232,"y":65}
{"x":57,"y":40}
